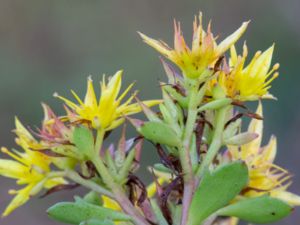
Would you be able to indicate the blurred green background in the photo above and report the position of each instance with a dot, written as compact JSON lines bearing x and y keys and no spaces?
{"x":48,"y":46}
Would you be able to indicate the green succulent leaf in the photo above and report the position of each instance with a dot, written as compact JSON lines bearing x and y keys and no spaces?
{"x":75,"y":213}
{"x":160,"y":133}
{"x":161,"y":168}
{"x":158,"y":213}
{"x":97,"y":222}
{"x":216,"y":104}
{"x":261,"y":210}
{"x":216,"y":190}
{"x":92,"y":198}
{"x":83,"y":140}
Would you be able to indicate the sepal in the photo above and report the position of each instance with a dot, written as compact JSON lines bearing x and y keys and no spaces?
{"x":241,"y":139}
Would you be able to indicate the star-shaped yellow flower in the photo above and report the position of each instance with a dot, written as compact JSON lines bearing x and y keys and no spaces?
{"x":29,"y":168}
{"x":203,"y":53}
{"x":108,"y":112}
{"x":251,"y":82}
{"x":264,"y":176}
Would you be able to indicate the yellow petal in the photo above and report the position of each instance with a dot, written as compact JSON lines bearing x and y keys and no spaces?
{"x":261,"y":64}
{"x":198,"y":33}
{"x":110,"y":92}
{"x":288,"y":197}
{"x":20,"y":128}
{"x":110,"y":204}
{"x":21,"y":198}
{"x":90,"y":97}
{"x":24,"y":137}
{"x":158,"y":45}
{"x":115,"y":123}
{"x":50,"y":183}
{"x":230,"y":40}
{"x":270,"y":150}
{"x":69,"y":103}
{"x":15,"y":155}
{"x":232,"y":221}
{"x":11,"y":168}
{"x":255,"y":126}
{"x":114,"y":84}
{"x":233,"y":56}
{"x":151,"y":189}
{"x":122,"y":96}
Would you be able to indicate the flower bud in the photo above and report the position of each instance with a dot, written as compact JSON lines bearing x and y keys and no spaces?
{"x":218,"y":92}
{"x":232,"y":129}
{"x":241,"y":139}
{"x":148,"y":112}
{"x":216,"y":104}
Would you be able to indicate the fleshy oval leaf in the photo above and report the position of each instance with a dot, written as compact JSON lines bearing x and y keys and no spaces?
{"x":83,"y":140}
{"x":160,"y":133}
{"x":216,"y":190}
{"x":75,"y":213}
{"x":260,"y":210}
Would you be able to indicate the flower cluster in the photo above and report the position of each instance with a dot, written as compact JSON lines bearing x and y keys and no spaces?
{"x":209,"y":171}
{"x":53,"y":144}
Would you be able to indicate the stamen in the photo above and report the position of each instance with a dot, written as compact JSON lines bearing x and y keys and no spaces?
{"x":12,"y":192}
{"x":125,"y":92}
{"x":12,"y":155}
{"x":77,"y":98}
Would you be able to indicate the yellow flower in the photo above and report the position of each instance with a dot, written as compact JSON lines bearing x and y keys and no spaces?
{"x":204,"y":52}
{"x":24,"y":137}
{"x":264,"y":176}
{"x":110,"y":203}
{"x":251,"y":82}
{"x":29,"y":168}
{"x":109,"y":112}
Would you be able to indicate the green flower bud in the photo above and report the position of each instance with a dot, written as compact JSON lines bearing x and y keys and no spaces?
{"x":216,"y":104}
{"x":232,"y":129}
{"x":218,"y":92}
{"x":241,"y":139}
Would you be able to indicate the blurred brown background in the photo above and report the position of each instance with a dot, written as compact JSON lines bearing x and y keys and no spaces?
{"x":48,"y":46}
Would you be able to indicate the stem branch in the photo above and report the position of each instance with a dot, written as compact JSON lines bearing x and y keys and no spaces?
{"x":216,"y":143}
{"x":88,"y":184}
{"x":117,"y":190}
{"x":184,"y":153}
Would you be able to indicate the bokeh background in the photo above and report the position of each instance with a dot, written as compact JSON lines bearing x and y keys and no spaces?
{"x":48,"y":46}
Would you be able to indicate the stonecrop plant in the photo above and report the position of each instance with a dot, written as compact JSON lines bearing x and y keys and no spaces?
{"x":212,"y":171}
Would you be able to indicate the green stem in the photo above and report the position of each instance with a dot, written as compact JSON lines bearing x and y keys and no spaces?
{"x":117,"y":190}
{"x":216,"y":143}
{"x":88,"y":184}
{"x":99,"y":140}
{"x":124,"y":171}
{"x":54,"y":174}
{"x":184,"y":154}
{"x":120,"y":196}
{"x":158,"y":213}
